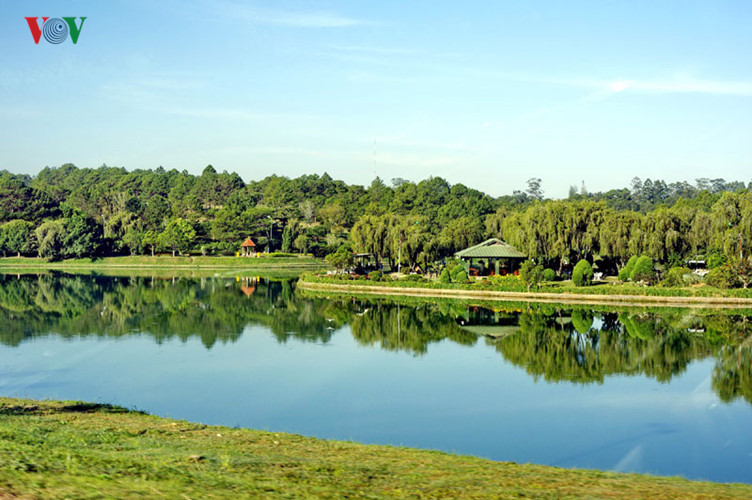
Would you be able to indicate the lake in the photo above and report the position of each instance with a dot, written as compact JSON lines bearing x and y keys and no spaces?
{"x":663,"y":391}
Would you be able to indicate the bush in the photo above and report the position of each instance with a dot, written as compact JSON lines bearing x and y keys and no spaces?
{"x":678,"y":276}
{"x":459,"y":275}
{"x":722,"y":277}
{"x":444,"y":276}
{"x":715,"y":259}
{"x":376,"y":275}
{"x":629,"y":268}
{"x":220,"y":248}
{"x":623,"y":274}
{"x":508,"y":283}
{"x":643,"y":270}
{"x":549,"y":275}
{"x":582,"y":275}
{"x":416,"y":278}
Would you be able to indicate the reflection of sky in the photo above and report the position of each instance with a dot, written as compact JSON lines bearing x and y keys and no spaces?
{"x":454,"y":398}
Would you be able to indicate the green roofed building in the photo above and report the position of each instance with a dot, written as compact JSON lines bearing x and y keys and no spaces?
{"x":491,"y":257}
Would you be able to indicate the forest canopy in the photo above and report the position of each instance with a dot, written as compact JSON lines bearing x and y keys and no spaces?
{"x":67,"y":211}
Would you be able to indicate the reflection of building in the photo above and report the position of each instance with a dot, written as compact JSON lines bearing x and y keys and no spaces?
{"x":487,"y":323}
{"x":248,"y":285}
{"x":491,"y":257}
{"x":248,"y":248}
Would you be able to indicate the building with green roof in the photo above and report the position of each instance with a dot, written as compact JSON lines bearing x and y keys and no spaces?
{"x":491,"y":255}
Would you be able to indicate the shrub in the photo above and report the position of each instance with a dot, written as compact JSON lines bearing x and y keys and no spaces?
{"x":376,"y":275}
{"x":623,"y":274}
{"x":582,"y":275}
{"x":417,"y":278}
{"x":722,"y":277}
{"x":629,"y":267}
{"x":743,"y":271}
{"x":715,"y":259}
{"x":678,"y":276}
{"x":549,"y":275}
{"x":459,"y":275}
{"x":643,"y":270}
{"x":444,"y":276}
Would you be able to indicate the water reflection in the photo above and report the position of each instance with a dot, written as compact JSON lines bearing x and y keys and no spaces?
{"x":557,"y":344}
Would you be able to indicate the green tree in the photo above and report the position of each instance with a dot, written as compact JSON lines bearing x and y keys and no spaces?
{"x":150,"y":239}
{"x":50,"y":236}
{"x":341,"y":259}
{"x":178,"y":235}
{"x":83,"y":236}
{"x":531,"y":273}
{"x":301,"y":243}
{"x":534,"y":188}
{"x":287,"y":239}
{"x":17,"y":237}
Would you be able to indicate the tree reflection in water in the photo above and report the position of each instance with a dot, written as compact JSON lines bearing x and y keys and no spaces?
{"x":556,"y":343}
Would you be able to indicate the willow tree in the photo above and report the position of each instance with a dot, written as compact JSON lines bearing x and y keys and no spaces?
{"x":369,"y":235}
{"x":406,"y":238}
{"x":731,"y":219}
{"x":616,"y":231}
{"x":665,"y":234}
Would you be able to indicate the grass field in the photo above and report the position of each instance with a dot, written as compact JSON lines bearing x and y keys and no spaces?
{"x":79,"y":450}
{"x":167,"y":261}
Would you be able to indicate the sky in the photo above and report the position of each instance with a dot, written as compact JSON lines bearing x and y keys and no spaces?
{"x":487,"y":94}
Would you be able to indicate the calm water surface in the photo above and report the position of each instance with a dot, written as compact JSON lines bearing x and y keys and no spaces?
{"x":629,"y":390}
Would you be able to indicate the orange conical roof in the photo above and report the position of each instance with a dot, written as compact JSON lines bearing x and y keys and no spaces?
{"x":248,"y":243}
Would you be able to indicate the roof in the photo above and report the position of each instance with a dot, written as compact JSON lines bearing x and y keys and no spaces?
{"x":492,"y":331}
{"x":248,"y":243}
{"x":490,"y":248}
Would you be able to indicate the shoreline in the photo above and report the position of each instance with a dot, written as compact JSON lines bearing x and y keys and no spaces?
{"x":542,"y":297}
{"x":168,"y":262}
{"x":64,"y":449}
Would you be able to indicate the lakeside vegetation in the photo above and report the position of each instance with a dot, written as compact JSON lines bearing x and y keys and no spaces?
{"x":517,"y":284}
{"x":68,"y":212}
{"x":273,"y":261}
{"x":67,"y":449}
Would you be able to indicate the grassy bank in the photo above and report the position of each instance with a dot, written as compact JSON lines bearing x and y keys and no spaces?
{"x":79,"y":450}
{"x":513,"y":289}
{"x":300,"y":263}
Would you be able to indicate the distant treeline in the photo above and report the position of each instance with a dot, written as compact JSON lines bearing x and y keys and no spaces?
{"x":73,"y":212}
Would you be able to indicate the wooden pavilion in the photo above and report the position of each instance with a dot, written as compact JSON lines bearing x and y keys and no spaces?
{"x":248,"y":248}
{"x":491,"y":257}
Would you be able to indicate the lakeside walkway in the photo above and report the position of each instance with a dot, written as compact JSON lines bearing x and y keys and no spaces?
{"x":559,"y":298}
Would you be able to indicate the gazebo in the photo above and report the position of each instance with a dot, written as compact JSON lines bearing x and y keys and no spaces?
{"x":478,"y":259}
{"x":248,"y":248}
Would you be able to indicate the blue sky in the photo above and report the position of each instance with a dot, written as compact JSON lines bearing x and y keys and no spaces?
{"x":487,"y":93}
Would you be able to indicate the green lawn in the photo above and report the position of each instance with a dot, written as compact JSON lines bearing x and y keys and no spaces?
{"x":291,"y":261}
{"x":79,"y":450}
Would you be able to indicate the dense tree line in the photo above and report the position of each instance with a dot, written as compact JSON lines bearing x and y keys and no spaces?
{"x":74,"y":212}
